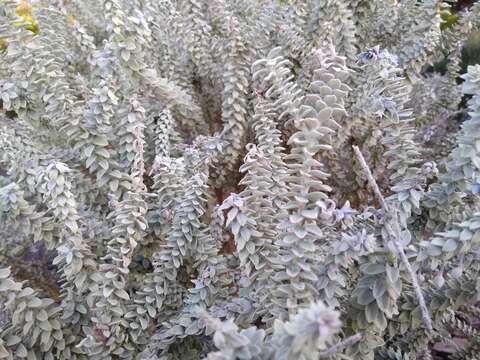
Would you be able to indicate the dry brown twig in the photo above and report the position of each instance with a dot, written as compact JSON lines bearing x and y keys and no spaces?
{"x":394,"y":232}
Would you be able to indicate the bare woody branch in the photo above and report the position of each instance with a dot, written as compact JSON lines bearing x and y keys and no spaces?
{"x":394,"y":232}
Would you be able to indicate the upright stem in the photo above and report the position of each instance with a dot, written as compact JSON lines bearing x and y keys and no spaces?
{"x":394,"y":231}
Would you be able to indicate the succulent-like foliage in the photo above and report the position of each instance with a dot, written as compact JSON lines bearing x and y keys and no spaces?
{"x":251,"y":179}
{"x":306,"y":335}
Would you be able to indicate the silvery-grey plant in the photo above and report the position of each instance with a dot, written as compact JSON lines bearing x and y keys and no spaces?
{"x":236,"y":180}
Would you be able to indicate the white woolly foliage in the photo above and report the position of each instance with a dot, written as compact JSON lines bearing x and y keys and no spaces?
{"x":177,"y":180}
{"x":303,"y":337}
